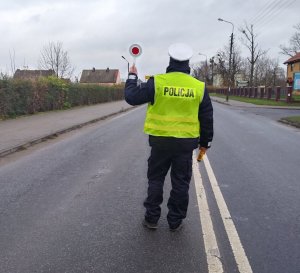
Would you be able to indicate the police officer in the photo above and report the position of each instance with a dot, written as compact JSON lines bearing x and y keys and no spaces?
{"x":179,"y":119}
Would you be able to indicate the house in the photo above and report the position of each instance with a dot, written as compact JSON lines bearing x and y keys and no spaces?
{"x":218,"y":80}
{"x":100,"y":76}
{"x":32,"y":74}
{"x":293,"y":67}
{"x":240,"y":80}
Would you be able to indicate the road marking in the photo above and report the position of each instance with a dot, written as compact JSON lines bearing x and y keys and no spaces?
{"x":234,"y":239}
{"x":209,"y":237}
{"x":210,"y":242}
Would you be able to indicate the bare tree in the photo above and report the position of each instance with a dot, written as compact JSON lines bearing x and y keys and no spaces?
{"x":53,"y":56}
{"x":223,"y":64}
{"x":12,"y":57}
{"x":249,"y":41}
{"x":294,"y":46}
{"x":268,"y":72}
{"x":200,"y":71}
{"x":4,"y":76}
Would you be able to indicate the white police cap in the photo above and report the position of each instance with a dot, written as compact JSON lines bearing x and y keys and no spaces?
{"x":180,"y":52}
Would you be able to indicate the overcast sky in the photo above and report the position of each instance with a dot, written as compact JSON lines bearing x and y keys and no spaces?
{"x":97,"y":33}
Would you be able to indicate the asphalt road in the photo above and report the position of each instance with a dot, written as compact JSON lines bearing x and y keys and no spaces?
{"x":256,"y":162}
{"x":75,"y":204}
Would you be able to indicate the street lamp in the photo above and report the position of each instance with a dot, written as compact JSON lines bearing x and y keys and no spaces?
{"x":205,"y":64}
{"x":127,"y":63}
{"x":212,"y":61}
{"x":203,"y":55}
{"x":230,"y":54}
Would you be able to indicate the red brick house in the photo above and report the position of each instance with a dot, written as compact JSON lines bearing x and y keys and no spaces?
{"x":101,"y":76}
{"x":32,"y":74}
{"x":293,"y":66}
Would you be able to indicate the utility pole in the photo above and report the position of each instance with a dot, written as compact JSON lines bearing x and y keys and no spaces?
{"x":212,"y":61}
{"x":231,"y":77}
{"x":231,"y":59}
{"x":230,"y":65}
{"x":274,"y":76}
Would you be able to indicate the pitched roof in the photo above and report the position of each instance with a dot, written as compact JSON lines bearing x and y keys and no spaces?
{"x":293,"y":59}
{"x":32,"y":74}
{"x":99,"y":76}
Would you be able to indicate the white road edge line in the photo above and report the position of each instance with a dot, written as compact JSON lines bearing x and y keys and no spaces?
{"x":234,"y":239}
{"x":210,"y":242}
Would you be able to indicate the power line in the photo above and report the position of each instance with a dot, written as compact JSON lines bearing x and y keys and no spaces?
{"x":275,"y":7}
{"x":272,"y":12}
{"x":266,"y":7}
{"x":265,"y":22}
{"x":267,"y":11}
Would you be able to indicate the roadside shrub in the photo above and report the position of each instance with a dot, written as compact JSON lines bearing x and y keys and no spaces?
{"x":22,"y":97}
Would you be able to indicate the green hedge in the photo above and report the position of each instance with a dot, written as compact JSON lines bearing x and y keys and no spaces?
{"x":23,"y":97}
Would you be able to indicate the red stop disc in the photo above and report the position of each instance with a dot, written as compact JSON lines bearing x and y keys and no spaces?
{"x":135,"y":50}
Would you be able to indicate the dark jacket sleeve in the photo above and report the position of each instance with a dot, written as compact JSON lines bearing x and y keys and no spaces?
{"x":206,"y":121}
{"x":138,"y":94}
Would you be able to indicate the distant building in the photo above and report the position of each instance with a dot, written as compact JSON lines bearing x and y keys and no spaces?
{"x":32,"y":74}
{"x":239,"y":80}
{"x":218,"y":80}
{"x":293,"y":66}
{"x":101,"y":76}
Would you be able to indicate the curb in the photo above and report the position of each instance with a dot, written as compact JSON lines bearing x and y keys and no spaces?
{"x":294,"y":124}
{"x":25,"y":145}
{"x":221,"y":102}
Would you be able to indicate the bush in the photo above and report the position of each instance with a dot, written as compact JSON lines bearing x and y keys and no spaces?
{"x":22,"y":97}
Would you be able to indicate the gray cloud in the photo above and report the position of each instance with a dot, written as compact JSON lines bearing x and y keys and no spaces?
{"x":97,"y":33}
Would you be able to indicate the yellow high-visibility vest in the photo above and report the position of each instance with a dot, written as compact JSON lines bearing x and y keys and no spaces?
{"x":176,"y":105}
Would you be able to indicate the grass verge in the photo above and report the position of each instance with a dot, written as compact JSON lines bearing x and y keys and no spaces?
{"x":257,"y":101}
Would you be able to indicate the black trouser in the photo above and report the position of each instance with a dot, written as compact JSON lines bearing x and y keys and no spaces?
{"x":159,"y":163}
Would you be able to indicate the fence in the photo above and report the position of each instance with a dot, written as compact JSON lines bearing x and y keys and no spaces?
{"x":271,"y":93}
